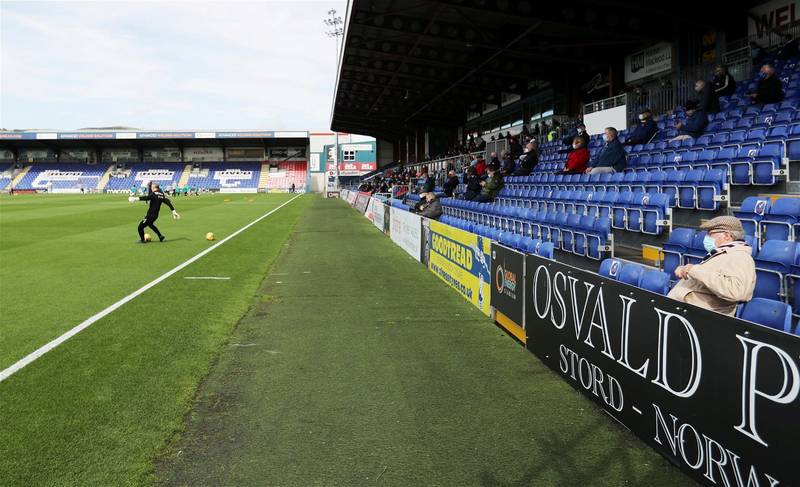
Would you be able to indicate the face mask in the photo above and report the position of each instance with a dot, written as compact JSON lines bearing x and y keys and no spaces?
{"x":575,"y":146}
{"x":698,"y":88}
{"x":606,"y":137}
{"x":762,"y":75}
{"x":642,"y":117}
{"x":708,"y":243}
{"x":580,"y":131}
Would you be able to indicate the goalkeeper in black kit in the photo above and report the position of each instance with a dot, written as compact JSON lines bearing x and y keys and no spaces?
{"x":155,"y":197}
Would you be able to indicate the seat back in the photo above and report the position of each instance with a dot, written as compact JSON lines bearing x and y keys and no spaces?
{"x":610,"y":268}
{"x":631,"y":274}
{"x":655,"y":281}
{"x":768,"y":312}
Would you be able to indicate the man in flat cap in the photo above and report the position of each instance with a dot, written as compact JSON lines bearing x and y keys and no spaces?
{"x":726,"y":276}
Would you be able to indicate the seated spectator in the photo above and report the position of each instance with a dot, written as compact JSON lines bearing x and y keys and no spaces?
{"x":507,"y":164}
{"x":528,"y":159}
{"x":645,"y":130}
{"x":450,"y":184}
{"x":769,"y":89}
{"x":726,"y":276}
{"x":493,"y":159}
{"x":577,"y":158}
{"x":580,"y":131}
{"x":695,"y":125}
{"x":724,"y":84}
{"x":426,"y":182}
{"x":491,"y":186}
{"x":480,"y":166}
{"x":514,"y":147}
{"x":707,"y":100}
{"x":430,"y":206}
{"x":473,"y":183}
{"x":611,"y":157}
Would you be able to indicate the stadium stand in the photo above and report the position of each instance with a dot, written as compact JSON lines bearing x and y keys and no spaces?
{"x":225,"y":175}
{"x":61,"y":177}
{"x":285,"y":174}
{"x":167,"y":174}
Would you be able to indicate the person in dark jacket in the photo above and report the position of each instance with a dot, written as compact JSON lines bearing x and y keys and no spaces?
{"x":528,"y":159}
{"x":611,"y":157}
{"x":769,"y":89}
{"x":707,"y":100}
{"x":644,"y":131}
{"x":431,"y":207}
{"x":473,"y":183}
{"x":450,"y":184}
{"x":493,"y":159}
{"x":724,"y":84}
{"x":491,"y":186}
{"x":580,"y":131}
{"x":514,"y":147}
{"x":427,"y":183}
{"x":695,"y":125}
{"x":507,"y":164}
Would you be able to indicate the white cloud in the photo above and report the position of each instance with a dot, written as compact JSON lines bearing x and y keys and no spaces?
{"x":166,"y":64}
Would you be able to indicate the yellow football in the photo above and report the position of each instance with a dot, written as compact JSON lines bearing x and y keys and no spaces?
{"x":147,"y":237}
{"x":209,"y":236}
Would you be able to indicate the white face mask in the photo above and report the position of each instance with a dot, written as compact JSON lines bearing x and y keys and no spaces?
{"x":607,"y":137}
{"x":642,"y":117}
{"x":580,"y":130}
{"x":575,"y":146}
{"x":698,"y":88}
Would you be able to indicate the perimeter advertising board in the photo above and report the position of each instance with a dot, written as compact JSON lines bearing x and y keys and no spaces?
{"x":379,"y":214}
{"x":406,"y":231}
{"x":462,"y":260}
{"x":715,"y":395}
{"x":508,"y":298}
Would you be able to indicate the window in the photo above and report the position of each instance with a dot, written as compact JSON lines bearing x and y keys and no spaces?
{"x":348,"y":155}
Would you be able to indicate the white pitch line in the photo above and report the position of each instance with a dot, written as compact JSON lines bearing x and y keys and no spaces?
{"x":31,"y":357}
{"x":208,"y":278}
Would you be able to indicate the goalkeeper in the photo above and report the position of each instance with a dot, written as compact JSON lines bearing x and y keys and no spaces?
{"x":155,"y":197}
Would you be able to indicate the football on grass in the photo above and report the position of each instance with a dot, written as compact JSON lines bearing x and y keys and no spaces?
{"x":147,"y":237}
{"x":209,"y":236}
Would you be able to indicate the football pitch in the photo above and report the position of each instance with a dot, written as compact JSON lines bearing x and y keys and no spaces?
{"x":319,"y":355}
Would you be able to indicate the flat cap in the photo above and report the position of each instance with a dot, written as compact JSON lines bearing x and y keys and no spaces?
{"x":729,"y":224}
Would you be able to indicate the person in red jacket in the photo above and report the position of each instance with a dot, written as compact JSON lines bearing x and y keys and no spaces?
{"x":480,"y":166}
{"x":578,"y":157}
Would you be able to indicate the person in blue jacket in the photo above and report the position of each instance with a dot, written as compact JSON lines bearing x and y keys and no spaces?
{"x":611,"y":157}
{"x":645,"y":130}
{"x":695,"y":124}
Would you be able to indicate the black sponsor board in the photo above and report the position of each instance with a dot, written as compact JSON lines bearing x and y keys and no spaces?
{"x":716,"y":395}
{"x":508,"y":269}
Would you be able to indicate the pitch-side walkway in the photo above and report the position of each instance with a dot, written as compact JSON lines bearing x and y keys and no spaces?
{"x":356,"y":366}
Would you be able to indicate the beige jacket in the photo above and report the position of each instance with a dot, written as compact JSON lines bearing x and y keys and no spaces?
{"x":721,"y":281}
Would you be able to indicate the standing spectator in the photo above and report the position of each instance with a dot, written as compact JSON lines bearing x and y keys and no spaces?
{"x":707,"y":100}
{"x":645,"y":130}
{"x":493,"y":159}
{"x":577,"y":158}
{"x":724,"y":84}
{"x":611,"y":157}
{"x":514,"y":147}
{"x":580,"y":131}
{"x":726,"y":276}
{"x":529,"y":159}
{"x":450,"y":184}
{"x":426,"y":182}
{"x":491,"y":186}
{"x":480,"y":166}
{"x":536,"y":130}
{"x":769,"y":89}
{"x":473,"y":183}
{"x":695,"y":123}
{"x":507,"y":165}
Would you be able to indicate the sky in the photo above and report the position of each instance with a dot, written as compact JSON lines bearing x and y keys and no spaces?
{"x":167,"y":65}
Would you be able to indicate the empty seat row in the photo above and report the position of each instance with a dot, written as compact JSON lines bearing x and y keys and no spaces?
{"x":767,"y":221}
{"x":637,"y":275}
{"x":523,"y":243}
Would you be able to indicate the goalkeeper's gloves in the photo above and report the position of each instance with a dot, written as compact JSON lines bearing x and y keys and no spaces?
{"x":133,"y":198}
{"x":175,"y":215}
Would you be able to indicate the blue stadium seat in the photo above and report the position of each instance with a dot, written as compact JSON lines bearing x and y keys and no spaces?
{"x":545,"y":249}
{"x":782,"y":221}
{"x":610,"y":268}
{"x":752,"y":211}
{"x":767,"y":312}
{"x":696,"y":252}
{"x":680,"y":241}
{"x":631,"y":274}
{"x":655,"y":281}
{"x":773,"y":264}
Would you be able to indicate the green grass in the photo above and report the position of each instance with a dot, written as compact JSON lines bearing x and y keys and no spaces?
{"x":97,"y":410}
{"x":358,"y":367}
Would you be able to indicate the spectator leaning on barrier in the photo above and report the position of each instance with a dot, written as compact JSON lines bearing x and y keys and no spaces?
{"x":645,"y":129}
{"x":611,"y":157}
{"x":491,"y":186}
{"x":726,"y":276}
{"x":450,"y":184}
{"x":695,"y":125}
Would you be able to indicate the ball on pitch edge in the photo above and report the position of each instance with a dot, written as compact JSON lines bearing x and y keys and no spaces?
{"x":147,"y":237}
{"x":209,"y":236}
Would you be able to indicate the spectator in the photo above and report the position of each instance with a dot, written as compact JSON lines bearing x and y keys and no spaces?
{"x":450,"y":184}
{"x":514,"y":147}
{"x":525,"y":131}
{"x":493,"y":159}
{"x":726,"y":276}
{"x":536,"y":129}
{"x":769,"y":89}
{"x":473,"y":183}
{"x":552,"y":131}
{"x":707,"y":100}
{"x":431,"y":206}
{"x":645,"y":130}
{"x":528,"y":159}
{"x":724,"y":84}
{"x":580,"y":131}
{"x":482,"y":144}
{"x":491,"y":186}
{"x":426,"y":182}
{"x":480,"y":166}
{"x":577,"y":158}
{"x":611,"y":157}
{"x":507,"y":165}
{"x":695,"y":123}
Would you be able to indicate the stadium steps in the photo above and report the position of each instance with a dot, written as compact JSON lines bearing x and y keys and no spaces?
{"x":263,"y":178}
{"x":19,"y":176}
{"x":101,"y":185}
{"x":184,"y":180}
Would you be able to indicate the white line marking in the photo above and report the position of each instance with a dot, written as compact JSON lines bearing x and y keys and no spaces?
{"x":208,"y":278}
{"x":636,"y":409}
{"x":31,"y":357}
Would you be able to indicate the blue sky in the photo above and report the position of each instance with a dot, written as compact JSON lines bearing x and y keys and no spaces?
{"x":166,"y":65}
